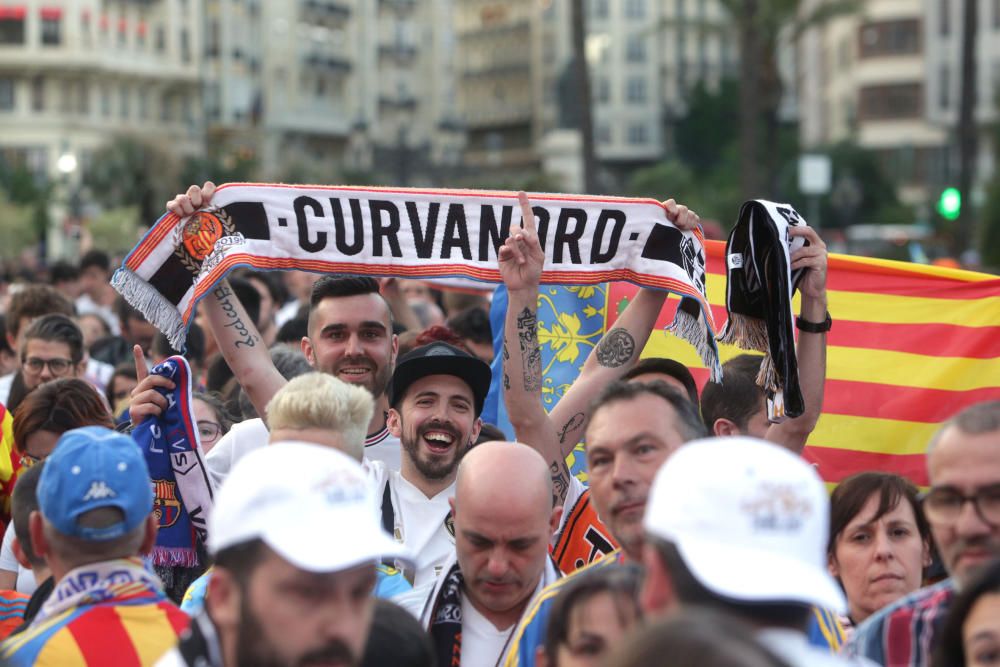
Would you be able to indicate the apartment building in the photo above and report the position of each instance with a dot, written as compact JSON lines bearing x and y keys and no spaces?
{"x":644,"y":57}
{"x":75,"y":73}
{"x":495,"y":45}
{"x":867,"y":77}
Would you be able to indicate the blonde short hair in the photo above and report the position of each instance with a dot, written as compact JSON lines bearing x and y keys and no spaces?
{"x":321,"y":401}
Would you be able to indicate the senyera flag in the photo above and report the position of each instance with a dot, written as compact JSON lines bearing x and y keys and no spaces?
{"x":911,"y":345}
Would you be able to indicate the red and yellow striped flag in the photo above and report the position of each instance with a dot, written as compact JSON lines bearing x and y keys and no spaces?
{"x":910,"y":346}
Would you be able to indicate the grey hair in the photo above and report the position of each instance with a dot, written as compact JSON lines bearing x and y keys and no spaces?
{"x":974,"y":420}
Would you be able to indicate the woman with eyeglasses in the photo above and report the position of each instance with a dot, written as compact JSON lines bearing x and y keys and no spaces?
{"x":880,"y":541}
{"x":45,"y":414}
{"x":212,"y":418}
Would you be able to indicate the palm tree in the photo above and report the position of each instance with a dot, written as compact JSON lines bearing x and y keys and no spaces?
{"x":586,"y":111}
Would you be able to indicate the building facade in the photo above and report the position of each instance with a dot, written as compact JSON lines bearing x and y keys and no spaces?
{"x":889,"y":79}
{"x":76,"y":73}
{"x":644,"y":57}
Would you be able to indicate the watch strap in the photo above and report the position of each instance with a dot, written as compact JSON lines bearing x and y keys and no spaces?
{"x":814,"y":327}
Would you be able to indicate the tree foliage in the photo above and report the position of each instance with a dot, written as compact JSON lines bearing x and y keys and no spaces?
{"x":131,"y":172}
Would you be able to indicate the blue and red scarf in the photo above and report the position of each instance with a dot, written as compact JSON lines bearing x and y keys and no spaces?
{"x":182,"y":488}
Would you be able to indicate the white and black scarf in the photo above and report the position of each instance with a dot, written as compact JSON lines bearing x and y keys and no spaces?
{"x":759,"y":289}
{"x":415,"y":234}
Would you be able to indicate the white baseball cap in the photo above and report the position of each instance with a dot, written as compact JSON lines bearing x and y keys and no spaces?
{"x":314,"y":506}
{"x":749,"y":518}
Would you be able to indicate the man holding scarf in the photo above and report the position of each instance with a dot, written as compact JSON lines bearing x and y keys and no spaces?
{"x":350,"y":337}
{"x":504,"y":521}
{"x":95,"y":520}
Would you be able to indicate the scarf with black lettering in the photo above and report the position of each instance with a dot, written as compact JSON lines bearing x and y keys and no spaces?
{"x":413,"y":234}
{"x":759,"y":289}
{"x":182,"y":488}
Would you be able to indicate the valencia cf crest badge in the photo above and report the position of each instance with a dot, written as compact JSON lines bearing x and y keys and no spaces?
{"x":199,"y":235}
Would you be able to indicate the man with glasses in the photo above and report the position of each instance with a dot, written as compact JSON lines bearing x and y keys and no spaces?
{"x":52,"y":348}
{"x":963,"y":508}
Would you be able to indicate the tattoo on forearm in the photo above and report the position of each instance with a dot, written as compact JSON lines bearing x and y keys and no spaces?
{"x":615,"y":349}
{"x":531,"y":354}
{"x":223,"y":293}
{"x":560,"y":482}
{"x":506,"y":382}
{"x":575,"y":422}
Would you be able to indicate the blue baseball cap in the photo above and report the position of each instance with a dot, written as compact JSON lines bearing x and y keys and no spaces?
{"x":92,"y":468}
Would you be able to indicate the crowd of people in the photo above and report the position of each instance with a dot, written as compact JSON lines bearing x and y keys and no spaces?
{"x":362,"y":512}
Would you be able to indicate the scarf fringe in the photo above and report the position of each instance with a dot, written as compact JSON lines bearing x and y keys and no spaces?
{"x":745,"y":332}
{"x":174,"y":556}
{"x":696,"y":332}
{"x":767,"y":377}
{"x":155,"y":308}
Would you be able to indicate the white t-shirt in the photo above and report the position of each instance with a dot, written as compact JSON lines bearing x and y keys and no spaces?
{"x":85,"y":306}
{"x":242,"y":439}
{"x":98,"y":373}
{"x":252,"y":434}
{"x":482,"y":644}
{"x":385,"y":447}
{"x":6,"y":382}
{"x":419,"y":522}
{"x":25,"y":578}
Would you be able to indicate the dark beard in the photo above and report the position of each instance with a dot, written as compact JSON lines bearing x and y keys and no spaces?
{"x":432,"y":470}
{"x":252,"y":649}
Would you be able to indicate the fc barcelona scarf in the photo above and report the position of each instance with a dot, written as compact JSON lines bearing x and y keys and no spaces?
{"x":182,"y":488}
{"x":413,"y":234}
{"x":759,"y":289}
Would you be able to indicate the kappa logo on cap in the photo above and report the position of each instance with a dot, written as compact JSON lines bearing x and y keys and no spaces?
{"x":99,"y":491}
{"x":777,"y":507}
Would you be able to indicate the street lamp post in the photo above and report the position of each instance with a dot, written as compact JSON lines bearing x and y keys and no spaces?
{"x":59,"y":243}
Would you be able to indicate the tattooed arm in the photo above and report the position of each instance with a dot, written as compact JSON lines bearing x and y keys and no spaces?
{"x":521,"y":259}
{"x":617,"y":352}
{"x":239,"y":341}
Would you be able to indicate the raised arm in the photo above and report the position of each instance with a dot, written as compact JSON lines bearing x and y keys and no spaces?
{"x":521,"y":260}
{"x":555,"y":434}
{"x":811,"y":349}
{"x":617,"y":352}
{"x":239,"y":341}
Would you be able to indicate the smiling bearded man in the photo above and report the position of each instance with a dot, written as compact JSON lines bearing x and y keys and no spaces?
{"x":436,"y":395}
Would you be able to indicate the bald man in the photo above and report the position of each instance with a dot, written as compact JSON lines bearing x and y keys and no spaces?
{"x":504,"y":522}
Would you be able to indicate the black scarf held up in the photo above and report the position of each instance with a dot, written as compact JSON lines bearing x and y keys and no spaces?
{"x":759,"y":290}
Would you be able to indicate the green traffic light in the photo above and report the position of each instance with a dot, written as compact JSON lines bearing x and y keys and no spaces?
{"x":950,"y":204}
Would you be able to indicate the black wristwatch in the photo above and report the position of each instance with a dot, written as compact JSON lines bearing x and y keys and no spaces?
{"x":814,"y":327}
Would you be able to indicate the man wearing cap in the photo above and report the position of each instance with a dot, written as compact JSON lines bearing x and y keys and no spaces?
{"x":504,"y":521}
{"x":349,"y":336}
{"x":436,"y":395}
{"x":286,"y":591}
{"x":963,"y":509}
{"x":95,"y":519}
{"x":741,"y":525}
